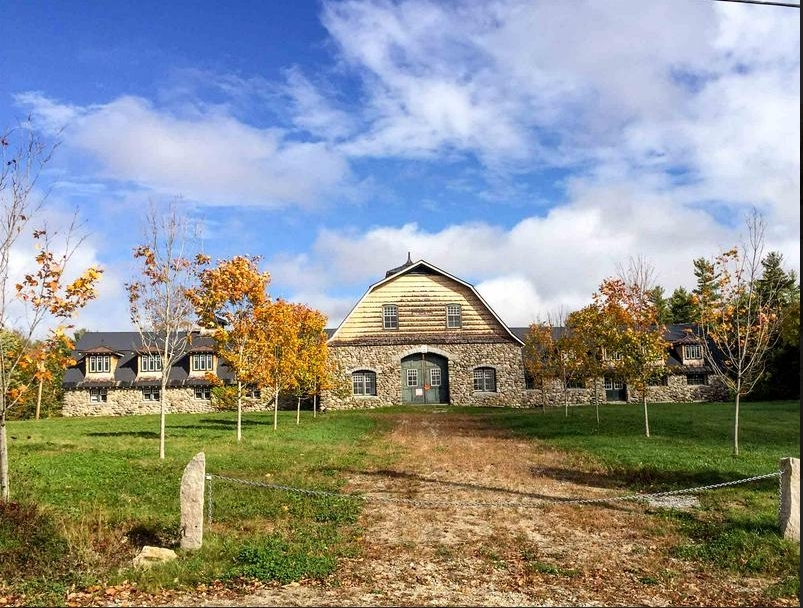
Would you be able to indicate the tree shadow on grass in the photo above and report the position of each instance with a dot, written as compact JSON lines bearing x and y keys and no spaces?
{"x":215,"y":423}
{"x":141,"y":434}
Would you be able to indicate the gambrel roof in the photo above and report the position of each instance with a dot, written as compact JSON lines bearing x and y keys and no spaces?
{"x":422,"y":266}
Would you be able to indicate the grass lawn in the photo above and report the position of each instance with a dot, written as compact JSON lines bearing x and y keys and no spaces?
{"x":88,"y":492}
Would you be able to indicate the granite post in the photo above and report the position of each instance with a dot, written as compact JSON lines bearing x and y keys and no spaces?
{"x":192,"y":503}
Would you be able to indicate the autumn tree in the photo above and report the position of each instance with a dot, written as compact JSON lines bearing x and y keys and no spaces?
{"x":312,"y":355}
{"x":229,"y":300}
{"x":159,"y":304}
{"x":583,"y":343}
{"x":39,"y":298}
{"x":740,"y":323}
{"x":543,"y":361}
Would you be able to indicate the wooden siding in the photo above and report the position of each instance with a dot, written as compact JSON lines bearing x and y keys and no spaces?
{"x":421,"y":299}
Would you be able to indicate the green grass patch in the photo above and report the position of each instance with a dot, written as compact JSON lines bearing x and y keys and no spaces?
{"x":89,"y":492}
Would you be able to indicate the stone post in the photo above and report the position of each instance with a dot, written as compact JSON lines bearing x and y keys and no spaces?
{"x":192,"y":503}
{"x":790,"y":498}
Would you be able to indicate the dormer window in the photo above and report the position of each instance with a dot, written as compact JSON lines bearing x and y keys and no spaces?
{"x":454,"y":319}
{"x":201,"y":362}
{"x":390,"y":316}
{"x":99,"y":364}
{"x":692,"y":351}
{"x":150,"y":363}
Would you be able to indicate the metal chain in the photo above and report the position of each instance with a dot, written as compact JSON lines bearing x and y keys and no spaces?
{"x":445,"y":503}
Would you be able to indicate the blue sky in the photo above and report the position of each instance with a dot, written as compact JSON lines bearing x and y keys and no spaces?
{"x":529,"y":147}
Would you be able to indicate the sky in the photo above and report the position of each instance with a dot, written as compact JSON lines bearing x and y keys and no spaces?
{"x":531,"y":148}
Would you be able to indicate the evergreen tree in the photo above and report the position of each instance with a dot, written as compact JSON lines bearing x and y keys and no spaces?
{"x":681,"y":306}
{"x":663,"y":312}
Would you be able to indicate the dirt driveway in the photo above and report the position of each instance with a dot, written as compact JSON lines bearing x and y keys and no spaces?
{"x":464,"y":552}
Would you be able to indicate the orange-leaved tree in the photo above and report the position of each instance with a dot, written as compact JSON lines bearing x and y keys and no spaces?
{"x":740,"y":322}
{"x":229,"y":300}
{"x":159,"y":306}
{"x":542,"y":358}
{"x":40,"y":298}
{"x":312,"y":356}
{"x":583,"y":344}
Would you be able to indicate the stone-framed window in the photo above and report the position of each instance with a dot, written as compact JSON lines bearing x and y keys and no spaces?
{"x":696,"y":379}
{"x":390,"y":316}
{"x":363,"y":383}
{"x":151,"y":393}
{"x":575,"y":383}
{"x":692,"y":352}
{"x":150,"y":363}
{"x":659,"y":381}
{"x":201,"y":362}
{"x":98,"y":394}
{"x":454,"y":316}
{"x":485,"y":380}
{"x":253,"y":393}
{"x":203,"y":393}
{"x":99,"y":364}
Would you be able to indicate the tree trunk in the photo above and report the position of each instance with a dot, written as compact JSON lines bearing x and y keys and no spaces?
{"x":736,"y":418}
{"x":39,"y":399}
{"x":239,"y":410}
{"x":4,"y":487}
{"x":276,"y":408}
{"x":298,"y":410}
{"x":162,"y":416}
{"x":646,"y":417}
{"x":315,"y":404}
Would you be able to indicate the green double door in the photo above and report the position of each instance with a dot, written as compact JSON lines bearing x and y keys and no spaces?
{"x":425,"y":378}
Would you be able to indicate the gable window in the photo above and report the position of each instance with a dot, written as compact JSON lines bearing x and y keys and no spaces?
{"x":454,"y":318}
{"x":363,"y":382}
{"x":390,"y":316}
{"x":150,"y":363}
{"x":150,"y":393}
{"x":203,"y":392}
{"x":201,"y":362}
{"x":100,"y":364}
{"x":692,"y":351}
{"x":98,"y":395}
{"x":485,"y":379}
{"x":696,"y":379}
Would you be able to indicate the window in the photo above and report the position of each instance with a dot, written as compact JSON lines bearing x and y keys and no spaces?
{"x":453,"y":316}
{"x":98,"y":395}
{"x":434,"y":376}
{"x":612,"y":356}
{"x":612,"y":384}
{"x":696,"y":379}
{"x":485,"y":379}
{"x":150,"y":363}
{"x":363,"y":382}
{"x":150,"y":393}
{"x":203,"y":392}
{"x":529,"y":380}
{"x":201,"y":362}
{"x":659,"y":381}
{"x":692,"y":351}
{"x":253,"y":393}
{"x":100,"y":364}
{"x":575,"y":383}
{"x":412,"y":377}
{"x":390,"y":316}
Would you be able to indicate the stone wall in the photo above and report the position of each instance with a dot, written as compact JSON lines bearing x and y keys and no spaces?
{"x":385,"y":361}
{"x":128,"y":401}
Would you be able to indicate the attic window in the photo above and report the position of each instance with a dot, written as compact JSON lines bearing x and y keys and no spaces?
{"x":390,"y":316}
{"x":99,"y":364}
{"x":453,"y":316}
{"x":692,"y":351}
{"x":150,"y":363}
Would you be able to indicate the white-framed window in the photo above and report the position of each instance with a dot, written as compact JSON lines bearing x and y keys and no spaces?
{"x":434,"y":376}
{"x":454,"y":317}
{"x":201,"y":362}
{"x":575,"y":382}
{"x":485,"y":379}
{"x":613,"y":384}
{"x":363,"y":382}
{"x":693,"y":351}
{"x":150,"y":363}
{"x":412,"y":377}
{"x":98,"y":395}
{"x":253,"y":393}
{"x":390,"y":316}
{"x":151,"y":393}
{"x":611,"y":355}
{"x":696,"y":379}
{"x":203,"y":392}
{"x":99,"y":364}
